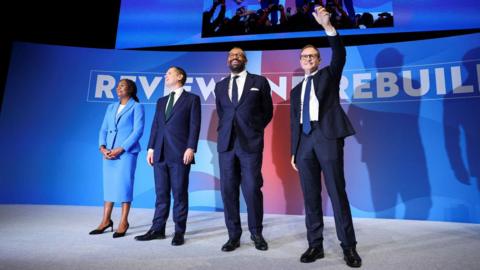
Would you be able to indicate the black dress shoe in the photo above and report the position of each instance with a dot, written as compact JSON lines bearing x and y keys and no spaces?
{"x":121,"y":234}
{"x":312,"y":254}
{"x":259,"y":241}
{"x":151,"y":235}
{"x":178,"y":239}
{"x":231,"y":245}
{"x":352,"y":258}
{"x":101,"y":230}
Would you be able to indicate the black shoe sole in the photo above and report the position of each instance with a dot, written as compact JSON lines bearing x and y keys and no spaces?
{"x":228,"y":250}
{"x":320,"y":256}
{"x":351,"y":264}
{"x":149,"y":239}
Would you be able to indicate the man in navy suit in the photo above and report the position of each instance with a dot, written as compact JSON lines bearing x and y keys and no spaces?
{"x":244,"y":108}
{"x":173,"y":142}
{"x":318,"y":128}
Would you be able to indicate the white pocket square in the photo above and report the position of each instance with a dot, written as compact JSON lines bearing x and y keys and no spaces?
{"x":254,"y":89}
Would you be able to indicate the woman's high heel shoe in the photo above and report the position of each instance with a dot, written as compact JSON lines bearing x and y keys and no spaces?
{"x":121,"y":234}
{"x":100,"y":231}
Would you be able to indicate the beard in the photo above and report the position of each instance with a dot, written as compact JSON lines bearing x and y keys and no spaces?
{"x":237,"y":68}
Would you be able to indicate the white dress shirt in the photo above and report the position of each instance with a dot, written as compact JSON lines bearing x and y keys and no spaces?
{"x":242,"y":76}
{"x":314,"y":106}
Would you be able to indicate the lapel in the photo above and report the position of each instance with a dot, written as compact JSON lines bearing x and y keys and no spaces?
{"x":177,"y":104}
{"x":248,"y":84}
{"x":128,"y":106}
{"x":162,"y":107}
{"x":226,"y":81}
{"x":113,"y":112}
{"x":316,"y":81}
{"x":297,"y":98}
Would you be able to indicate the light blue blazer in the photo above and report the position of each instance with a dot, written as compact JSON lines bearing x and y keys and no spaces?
{"x":124,"y":130}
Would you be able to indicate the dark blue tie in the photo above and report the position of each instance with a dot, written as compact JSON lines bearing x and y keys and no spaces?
{"x":306,"y":107}
{"x":235,"y":91}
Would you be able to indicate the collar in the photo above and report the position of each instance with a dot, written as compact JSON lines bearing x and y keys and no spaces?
{"x":311,"y":74}
{"x":177,"y":91}
{"x":241,"y":74}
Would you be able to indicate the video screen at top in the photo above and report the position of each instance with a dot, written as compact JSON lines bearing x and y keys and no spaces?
{"x":152,"y":23}
{"x":251,"y":17}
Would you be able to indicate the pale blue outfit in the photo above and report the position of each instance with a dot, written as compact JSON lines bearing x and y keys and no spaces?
{"x":121,"y":128}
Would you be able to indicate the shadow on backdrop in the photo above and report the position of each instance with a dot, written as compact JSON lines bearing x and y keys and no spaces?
{"x":389,"y":135}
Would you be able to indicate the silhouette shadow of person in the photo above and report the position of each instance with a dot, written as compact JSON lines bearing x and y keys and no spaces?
{"x":392,"y":150}
{"x":461,"y":125}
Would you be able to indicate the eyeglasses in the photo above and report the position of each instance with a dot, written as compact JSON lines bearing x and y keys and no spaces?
{"x":308,"y":56}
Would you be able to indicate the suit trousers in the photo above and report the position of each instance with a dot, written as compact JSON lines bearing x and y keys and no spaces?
{"x":240,"y":169}
{"x":171,"y":177}
{"x":317,"y":154}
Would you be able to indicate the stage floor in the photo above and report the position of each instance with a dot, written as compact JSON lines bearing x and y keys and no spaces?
{"x":56,"y":237}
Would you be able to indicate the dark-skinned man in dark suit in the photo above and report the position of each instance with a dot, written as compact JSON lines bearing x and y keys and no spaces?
{"x":244,"y":108}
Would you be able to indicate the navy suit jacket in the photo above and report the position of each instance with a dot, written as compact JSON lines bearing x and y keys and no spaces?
{"x":333,"y":122}
{"x":250,"y":117}
{"x":180,"y":131}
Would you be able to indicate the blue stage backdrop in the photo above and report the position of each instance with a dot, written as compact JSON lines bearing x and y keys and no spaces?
{"x":416,"y":154}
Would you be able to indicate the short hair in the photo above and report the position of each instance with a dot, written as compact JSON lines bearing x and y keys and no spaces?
{"x":182,"y":72}
{"x":310,"y":46}
{"x":244,"y":54}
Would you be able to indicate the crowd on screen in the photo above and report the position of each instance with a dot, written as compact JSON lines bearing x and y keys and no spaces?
{"x":273,"y":17}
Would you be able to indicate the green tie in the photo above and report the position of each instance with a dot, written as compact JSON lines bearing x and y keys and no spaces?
{"x":169,"y":105}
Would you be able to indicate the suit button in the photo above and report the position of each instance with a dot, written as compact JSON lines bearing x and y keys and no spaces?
{"x":110,"y":131}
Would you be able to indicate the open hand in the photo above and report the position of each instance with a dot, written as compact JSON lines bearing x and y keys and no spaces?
{"x":188,"y":156}
{"x":322,"y":16}
{"x":293,"y":163}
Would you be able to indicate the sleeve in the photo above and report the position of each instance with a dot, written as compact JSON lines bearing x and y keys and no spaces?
{"x":267,"y":103}
{"x":292,"y":127}
{"x":195,"y":121}
{"x":102,"y":136}
{"x":339,"y":55}
{"x":218,"y":105}
{"x":153,"y":130}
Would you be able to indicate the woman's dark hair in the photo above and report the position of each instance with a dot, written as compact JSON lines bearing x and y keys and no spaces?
{"x":132,"y":89}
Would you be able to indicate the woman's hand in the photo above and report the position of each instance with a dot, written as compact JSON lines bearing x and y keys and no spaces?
{"x":105,"y":152}
{"x":114,"y":153}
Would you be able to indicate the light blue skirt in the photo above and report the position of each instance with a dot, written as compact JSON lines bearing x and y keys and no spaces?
{"x":118,"y":178}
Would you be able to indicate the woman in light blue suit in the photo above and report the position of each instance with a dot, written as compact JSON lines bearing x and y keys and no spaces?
{"x":119,"y":138}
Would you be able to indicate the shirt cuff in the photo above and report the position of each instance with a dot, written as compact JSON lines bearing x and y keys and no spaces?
{"x":150,"y":151}
{"x":331,"y":33}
